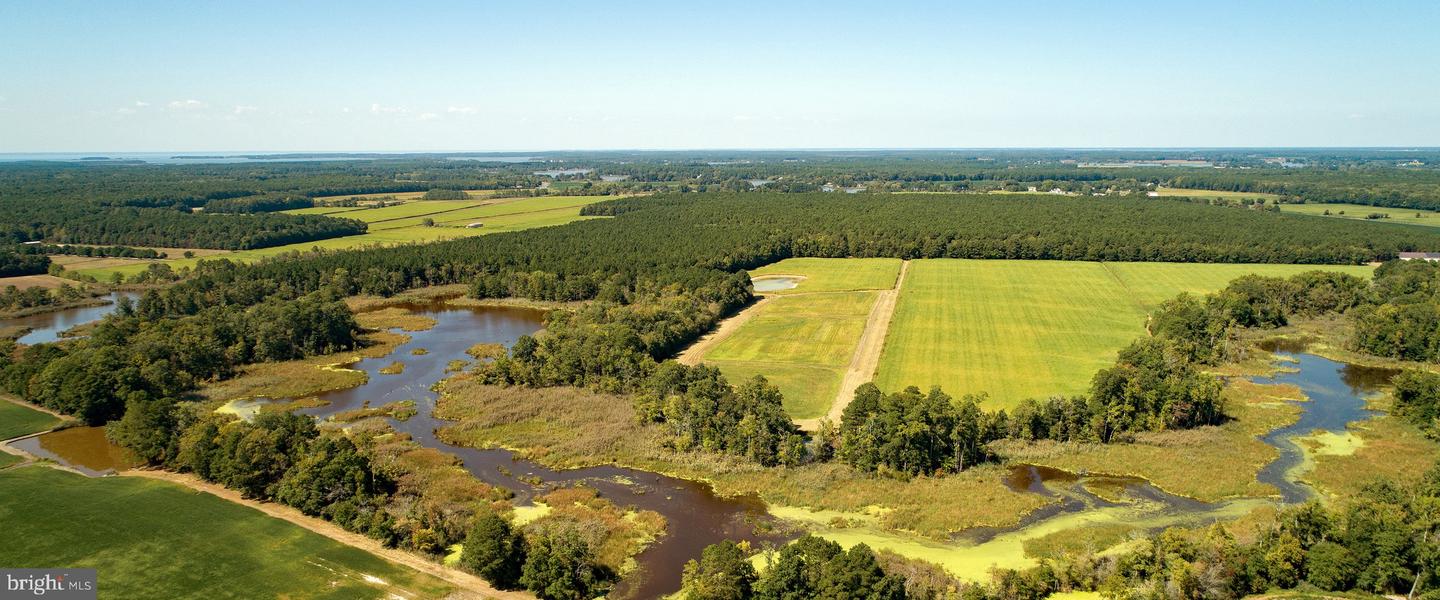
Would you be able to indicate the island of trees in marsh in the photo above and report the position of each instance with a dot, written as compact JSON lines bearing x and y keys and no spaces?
{"x":650,"y":274}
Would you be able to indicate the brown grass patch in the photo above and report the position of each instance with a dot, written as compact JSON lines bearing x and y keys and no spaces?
{"x":392,"y":318}
{"x":304,"y":377}
{"x":48,"y":282}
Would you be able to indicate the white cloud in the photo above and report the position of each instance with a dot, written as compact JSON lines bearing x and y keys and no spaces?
{"x":429,"y":116}
{"x":462,"y":110}
{"x":241,"y":109}
{"x":125,"y":110}
{"x":141,"y":104}
{"x":380,"y":109}
{"x":186,"y":105}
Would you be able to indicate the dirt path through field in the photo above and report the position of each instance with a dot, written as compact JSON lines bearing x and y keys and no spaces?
{"x":697,"y":350}
{"x":475,"y":586}
{"x":866,"y":359}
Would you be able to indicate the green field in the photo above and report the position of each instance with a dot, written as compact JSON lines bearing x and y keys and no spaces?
{"x":402,"y":225}
{"x":16,"y":420}
{"x":1408,"y":216}
{"x":802,"y":344}
{"x":803,"y":340}
{"x":153,"y":539}
{"x":1023,"y":329}
{"x":832,"y":275}
{"x":1213,"y":194}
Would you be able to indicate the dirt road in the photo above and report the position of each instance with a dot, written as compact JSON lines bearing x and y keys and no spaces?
{"x":474,"y":587}
{"x":693,"y":354}
{"x":866,"y":359}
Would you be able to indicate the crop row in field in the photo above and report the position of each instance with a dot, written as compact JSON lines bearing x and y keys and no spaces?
{"x":1033,"y":329}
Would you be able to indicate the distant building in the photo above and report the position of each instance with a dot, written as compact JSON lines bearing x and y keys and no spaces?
{"x":1430,"y":256}
{"x":475,"y":225}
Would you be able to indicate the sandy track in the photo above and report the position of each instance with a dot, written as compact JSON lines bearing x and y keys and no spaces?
{"x":472,"y":586}
{"x":696,"y":351}
{"x":866,"y":359}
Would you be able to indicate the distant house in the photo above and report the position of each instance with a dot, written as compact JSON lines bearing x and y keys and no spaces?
{"x":1430,"y":256}
{"x":475,"y":225}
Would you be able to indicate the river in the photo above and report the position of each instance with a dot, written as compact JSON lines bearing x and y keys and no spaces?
{"x":47,"y":326}
{"x":696,"y":517}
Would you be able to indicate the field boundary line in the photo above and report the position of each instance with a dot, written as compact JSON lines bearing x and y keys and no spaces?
{"x":465,"y":581}
{"x":693,"y":354}
{"x":865,"y":361}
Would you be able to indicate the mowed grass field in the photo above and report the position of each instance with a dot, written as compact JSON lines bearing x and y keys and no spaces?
{"x":153,"y":539}
{"x":1033,"y":329}
{"x":1214,"y":194}
{"x":803,"y":339}
{"x":802,"y":344}
{"x":401,"y":224}
{"x":1407,"y":216}
{"x":16,"y":420}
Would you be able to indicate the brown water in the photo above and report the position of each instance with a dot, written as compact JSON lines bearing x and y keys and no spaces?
{"x":696,"y":516}
{"x":84,"y":449}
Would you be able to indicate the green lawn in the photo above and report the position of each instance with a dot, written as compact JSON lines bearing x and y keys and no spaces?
{"x":1023,"y":329}
{"x":802,"y":344}
{"x":7,"y":459}
{"x":391,"y":228}
{"x":16,"y":420}
{"x":1408,"y":216}
{"x":153,"y":539}
{"x":832,"y":275}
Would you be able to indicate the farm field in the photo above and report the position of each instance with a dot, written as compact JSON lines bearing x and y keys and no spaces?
{"x":17,"y":420}
{"x":1023,"y":329}
{"x":803,"y":340}
{"x":154,"y":539}
{"x":1214,"y":194}
{"x":397,"y":226}
{"x":1407,"y":216}
{"x":832,"y":275}
{"x":802,"y":344}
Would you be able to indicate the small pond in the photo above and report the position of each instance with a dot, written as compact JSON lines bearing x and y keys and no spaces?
{"x":775,"y":283}
{"x":84,"y":449}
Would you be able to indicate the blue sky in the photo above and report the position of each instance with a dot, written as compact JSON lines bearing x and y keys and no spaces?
{"x":398,"y":76}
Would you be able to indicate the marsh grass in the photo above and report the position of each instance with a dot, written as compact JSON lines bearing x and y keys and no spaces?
{"x":617,"y":535}
{"x":568,"y":427}
{"x":1208,"y":463}
{"x":304,"y":377}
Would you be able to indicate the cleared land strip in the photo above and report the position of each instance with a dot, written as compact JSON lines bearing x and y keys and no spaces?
{"x":477,"y":586}
{"x":866,"y":360}
{"x":696,"y":351}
